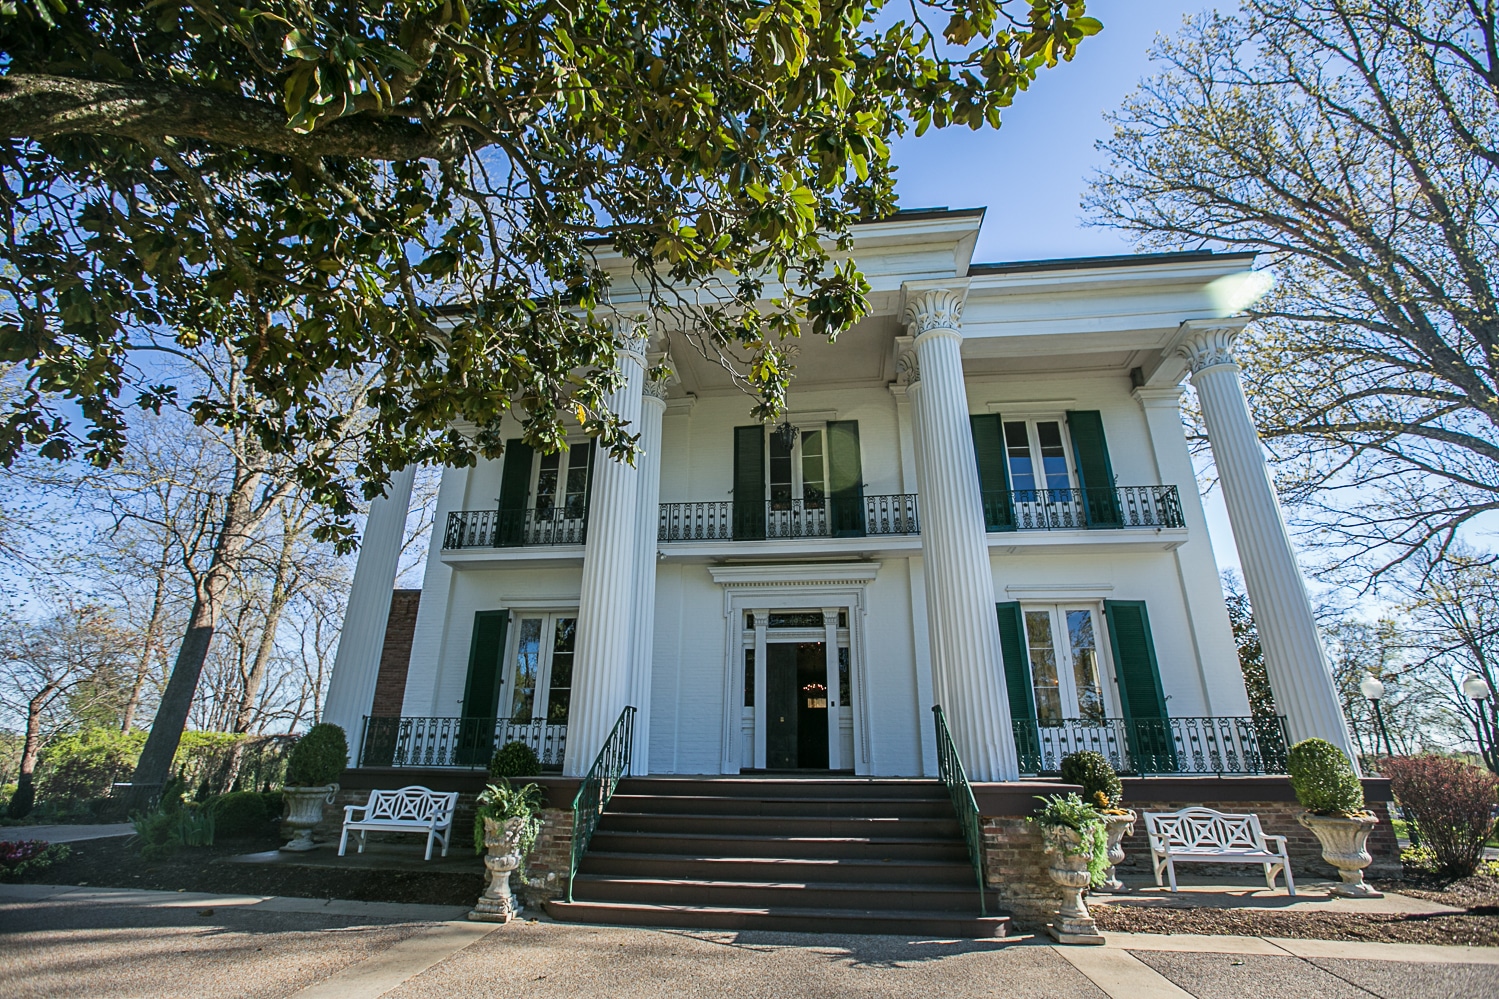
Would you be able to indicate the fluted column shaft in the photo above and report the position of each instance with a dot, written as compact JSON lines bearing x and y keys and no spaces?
{"x":1294,"y":657}
{"x":356,"y":666}
{"x":967,"y":668}
{"x":653,"y":407}
{"x":606,"y":603}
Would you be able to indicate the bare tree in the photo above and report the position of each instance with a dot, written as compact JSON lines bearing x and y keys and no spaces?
{"x":1356,"y":143}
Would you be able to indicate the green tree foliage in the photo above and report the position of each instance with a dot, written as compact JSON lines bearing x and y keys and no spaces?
{"x":1251,"y":653}
{"x":420,"y":191}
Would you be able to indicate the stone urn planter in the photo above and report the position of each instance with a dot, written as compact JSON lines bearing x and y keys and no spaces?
{"x":1345,"y":845}
{"x":304,"y":810}
{"x":501,"y":857}
{"x":1116,"y":827}
{"x":1068,"y":867}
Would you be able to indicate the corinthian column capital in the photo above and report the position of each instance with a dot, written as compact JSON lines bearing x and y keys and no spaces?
{"x":930,"y":309}
{"x":631,"y":333}
{"x":656,"y":388}
{"x":1206,"y":342}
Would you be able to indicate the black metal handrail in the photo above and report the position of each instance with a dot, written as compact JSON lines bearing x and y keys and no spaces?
{"x":1149,"y":746}
{"x":427,"y":741}
{"x":1065,"y":509}
{"x":829,"y":517}
{"x":598,"y":787}
{"x":555,"y":525}
{"x":955,"y":779}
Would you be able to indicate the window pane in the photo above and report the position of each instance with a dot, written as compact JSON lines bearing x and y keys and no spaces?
{"x":814,"y":480}
{"x":749,"y":678}
{"x":1044,"y":667}
{"x":845,"y":697}
{"x":1090,"y":704}
{"x":579,"y":460}
{"x":560,"y":694}
{"x":1053,"y":455}
{"x":1018,"y":450}
{"x":780,"y":473}
{"x":546,"y":485}
{"x":803,"y":619}
{"x":523,"y":679}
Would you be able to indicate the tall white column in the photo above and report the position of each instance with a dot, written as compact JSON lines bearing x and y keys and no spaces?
{"x":652,"y":408}
{"x":356,"y":666}
{"x":606,"y":604}
{"x":967,"y":668}
{"x":1294,"y":657}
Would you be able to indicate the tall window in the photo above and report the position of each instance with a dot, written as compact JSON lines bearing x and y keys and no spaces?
{"x":798,"y":470}
{"x":542,"y":660}
{"x":1066,"y":670}
{"x":1037,"y":455}
{"x":562,"y":482}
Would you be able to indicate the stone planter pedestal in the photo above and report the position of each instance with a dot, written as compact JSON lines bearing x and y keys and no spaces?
{"x":1345,"y":841}
{"x":1117,"y":827}
{"x":1069,"y":868}
{"x":304,"y":810}
{"x":502,"y":856}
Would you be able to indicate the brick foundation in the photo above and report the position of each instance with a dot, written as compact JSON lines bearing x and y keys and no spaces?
{"x":1015,"y":868}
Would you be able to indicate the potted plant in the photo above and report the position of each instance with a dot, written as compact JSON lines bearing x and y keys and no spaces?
{"x":1330,"y":791}
{"x":1073,"y":835}
{"x":514,"y":759}
{"x":505,"y":829}
{"x":312,"y":770}
{"x":1103,"y":789}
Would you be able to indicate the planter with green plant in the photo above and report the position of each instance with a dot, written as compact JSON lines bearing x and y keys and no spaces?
{"x":1103,"y":789}
{"x":1330,"y":791}
{"x":1075,"y":840}
{"x":505,"y":830}
{"x":312,"y":772}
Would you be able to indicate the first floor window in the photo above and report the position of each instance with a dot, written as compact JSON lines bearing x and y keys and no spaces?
{"x":1066,"y":670}
{"x":540,"y":676}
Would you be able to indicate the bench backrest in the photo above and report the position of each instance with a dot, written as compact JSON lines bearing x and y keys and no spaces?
{"x":411,"y":804}
{"x":1207,"y":830}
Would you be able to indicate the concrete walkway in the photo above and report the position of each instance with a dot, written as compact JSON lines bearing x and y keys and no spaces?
{"x":101,"y":943}
{"x":66,"y":834}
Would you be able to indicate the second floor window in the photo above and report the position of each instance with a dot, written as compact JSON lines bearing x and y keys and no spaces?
{"x":798,"y":471}
{"x":562,"y":482}
{"x":1037,"y":456}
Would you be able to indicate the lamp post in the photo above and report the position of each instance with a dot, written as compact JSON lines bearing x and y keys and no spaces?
{"x":1476,"y":689}
{"x":1373,"y":691}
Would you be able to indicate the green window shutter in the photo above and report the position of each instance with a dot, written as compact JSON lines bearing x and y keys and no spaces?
{"x":1147,"y":729}
{"x":515,"y":492}
{"x":749,"y":483}
{"x":994,"y":471}
{"x":845,"y":479}
{"x":481,"y":693}
{"x":1095,"y":476}
{"x":1018,"y":687}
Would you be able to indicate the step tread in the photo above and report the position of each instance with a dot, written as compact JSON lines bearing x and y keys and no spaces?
{"x":902,"y":915}
{"x":699,"y":858}
{"x":842,"y":921}
{"x":820,"y":840}
{"x":833,"y":886}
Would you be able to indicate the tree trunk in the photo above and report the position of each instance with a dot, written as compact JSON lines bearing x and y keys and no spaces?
{"x":280,"y":596}
{"x":24,"y":799}
{"x":148,"y":649}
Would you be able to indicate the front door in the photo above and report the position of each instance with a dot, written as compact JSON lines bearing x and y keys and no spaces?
{"x":796,"y":709}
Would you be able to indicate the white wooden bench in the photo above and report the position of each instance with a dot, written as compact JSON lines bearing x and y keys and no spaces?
{"x":1209,"y":836}
{"x":412,"y":809}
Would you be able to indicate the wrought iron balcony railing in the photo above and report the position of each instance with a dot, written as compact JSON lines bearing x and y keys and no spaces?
{"x":514,"y":528}
{"x":1157,"y":746}
{"x":454,"y":742}
{"x":830,"y":517}
{"x":1061,"y":509}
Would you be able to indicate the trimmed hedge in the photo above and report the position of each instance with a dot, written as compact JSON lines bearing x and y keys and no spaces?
{"x":318,"y":757}
{"x":1323,"y":779}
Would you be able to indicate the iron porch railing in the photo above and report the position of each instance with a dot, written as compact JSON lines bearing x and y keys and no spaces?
{"x":1153,"y":746}
{"x":950,"y":771}
{"x":514,"y":528}
{"x":412,"y":741}
{"x":1069,"y":509}
{"x":830,"y":517}
{"x":612,"y":763}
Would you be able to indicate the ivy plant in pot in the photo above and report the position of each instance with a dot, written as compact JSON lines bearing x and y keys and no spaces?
{"x":312,"y":771}
{"x":1104,"y":791}
{"x":1330,"y":791}
{"x":505,"y":830}
{"x":1072,"y":833}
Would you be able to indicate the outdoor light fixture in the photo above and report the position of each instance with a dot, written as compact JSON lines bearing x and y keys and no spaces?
{"x":786,"y":434}
{"x":1476,"y":689}
{"x":1373,"y":691}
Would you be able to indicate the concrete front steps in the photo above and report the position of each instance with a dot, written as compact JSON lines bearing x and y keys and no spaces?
{"x":820,"y":855}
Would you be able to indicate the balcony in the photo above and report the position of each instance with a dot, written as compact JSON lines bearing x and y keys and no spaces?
{"x":1153,"y":746}
{"x":1074,"y":509}
{"x":725,"y":520}
{"x":514,"y":528}
{"x":411,"y":741}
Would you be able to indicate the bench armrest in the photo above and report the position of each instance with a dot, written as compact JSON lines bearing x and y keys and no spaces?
{"x":349,"y":811}
{"x":1277,"y":839}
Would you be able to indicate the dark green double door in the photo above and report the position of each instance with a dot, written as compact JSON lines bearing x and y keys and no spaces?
{"x":796,"y":706}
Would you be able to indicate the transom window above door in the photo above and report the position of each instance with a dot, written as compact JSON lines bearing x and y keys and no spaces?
{"x":1067,"y":670}
{"x":1036,"y":454}
{"x":539,"y":673}
{"x":798,"y":470}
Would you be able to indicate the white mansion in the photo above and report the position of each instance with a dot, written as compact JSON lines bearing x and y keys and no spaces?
{"x":981,"y":498}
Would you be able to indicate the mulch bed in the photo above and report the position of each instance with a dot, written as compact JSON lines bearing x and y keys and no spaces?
{"x":110,"y":863}
{"x":1478,"y":926}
